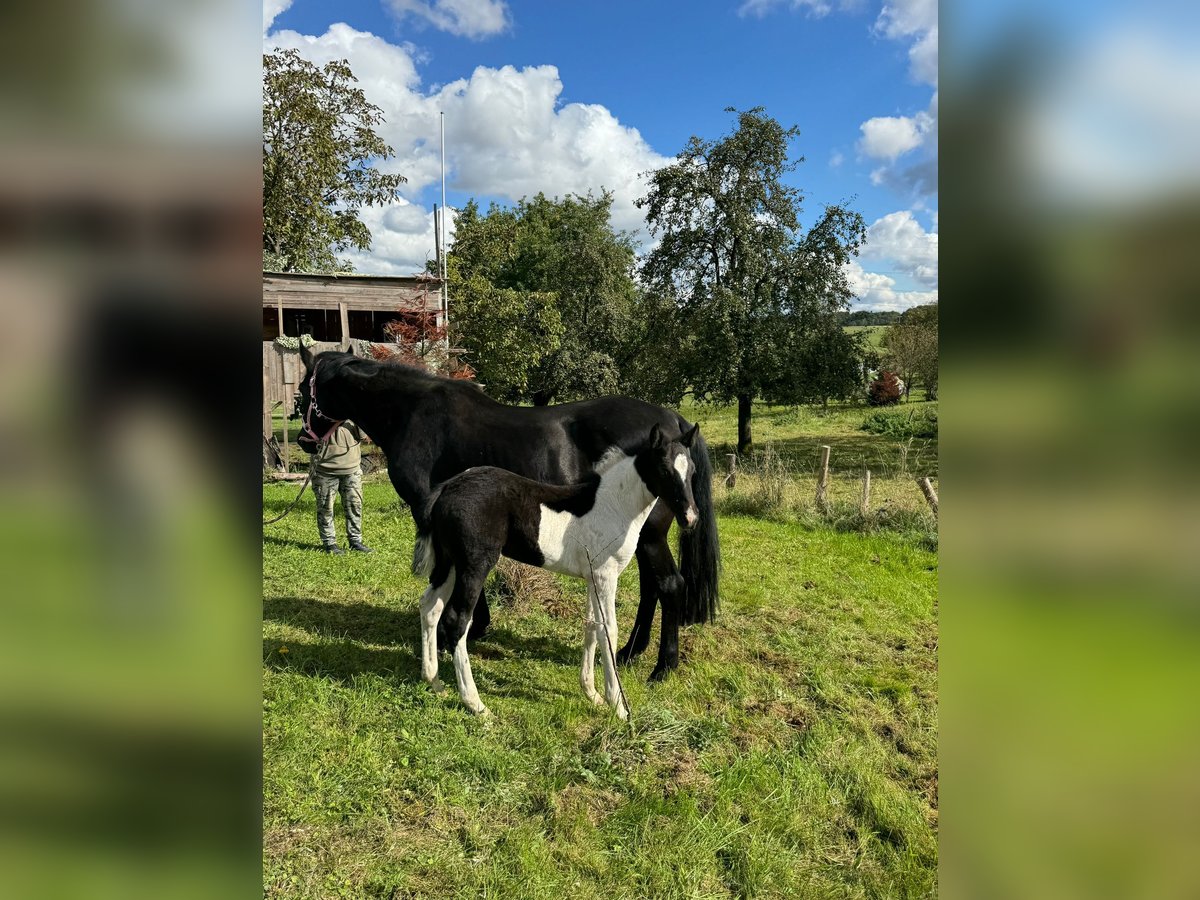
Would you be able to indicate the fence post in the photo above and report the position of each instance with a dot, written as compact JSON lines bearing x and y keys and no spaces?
{"x":731,"y":464}
{"x":930,"y":494}
{"x":865,"y":505}
{"x":823,"y":479}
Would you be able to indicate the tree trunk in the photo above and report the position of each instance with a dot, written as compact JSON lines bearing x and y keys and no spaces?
{"x":744,"y":438}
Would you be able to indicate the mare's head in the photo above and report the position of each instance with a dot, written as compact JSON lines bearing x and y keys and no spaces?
{"x":321,"y":419}
{"x":666,"y":467}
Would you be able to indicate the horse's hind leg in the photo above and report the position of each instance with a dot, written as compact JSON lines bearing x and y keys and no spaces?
{"x":462,"y":602}
{"x":432,"y":603}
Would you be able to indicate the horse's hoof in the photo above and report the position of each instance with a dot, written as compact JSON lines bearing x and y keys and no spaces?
{"x":483,"y":712}
{"x":622,"y":712}
{"x":659,"y":674}
{"x":625,"y":656}
{"x":596,"y":698}
{"x":437,"y":686}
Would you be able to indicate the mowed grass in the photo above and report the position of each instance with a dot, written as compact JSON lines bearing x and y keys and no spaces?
{"x":792,"y":755}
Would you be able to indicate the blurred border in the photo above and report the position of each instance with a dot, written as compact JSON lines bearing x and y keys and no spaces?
{"x":130,"y":260}
{"x":1070,"y":212}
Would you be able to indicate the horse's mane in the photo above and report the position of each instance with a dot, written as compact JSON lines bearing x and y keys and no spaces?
{"x":336,"y":362}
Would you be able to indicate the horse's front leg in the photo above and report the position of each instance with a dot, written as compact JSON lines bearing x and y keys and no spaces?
{"x":654,"y":535}
{"x":591,"y":632}
{"x":606,"y":602}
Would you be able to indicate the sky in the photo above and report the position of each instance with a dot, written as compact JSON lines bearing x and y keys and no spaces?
{"x":570,"y":97}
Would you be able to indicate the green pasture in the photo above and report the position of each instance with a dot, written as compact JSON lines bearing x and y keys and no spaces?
{"x":794,"y":754}
{"x":874,"y":333}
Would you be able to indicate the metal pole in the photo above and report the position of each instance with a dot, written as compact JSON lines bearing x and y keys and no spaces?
{"x":442,"y":273}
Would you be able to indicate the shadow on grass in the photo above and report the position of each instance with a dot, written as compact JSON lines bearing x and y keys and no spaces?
{"x":339,"y":660}
{"x":289,"y":542}
{"x":363,"y":623}
{"x":395,"y":635}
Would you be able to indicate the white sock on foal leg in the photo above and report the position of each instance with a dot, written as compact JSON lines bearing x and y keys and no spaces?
{"x":606,"y":603}
{"x":466,"y":681}
{"x":432,"y":603}
{"x":591,"y":633}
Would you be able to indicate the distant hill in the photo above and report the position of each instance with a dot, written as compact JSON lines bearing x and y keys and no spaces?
{"x":870,"y":317}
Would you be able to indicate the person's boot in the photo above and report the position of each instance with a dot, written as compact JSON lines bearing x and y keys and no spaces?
{"x":334,"y":549}
{"x":360,"y":547}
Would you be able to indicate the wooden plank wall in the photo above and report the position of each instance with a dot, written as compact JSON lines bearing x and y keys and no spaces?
{"x":282,"y":371}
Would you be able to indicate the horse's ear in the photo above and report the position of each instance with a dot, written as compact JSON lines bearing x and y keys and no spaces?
{"x":657,"y":439}
{"x":690,"y":437}
{"x":306,"y":356}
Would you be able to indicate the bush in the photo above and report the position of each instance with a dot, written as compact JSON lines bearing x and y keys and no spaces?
{"x":884,"y":390}
{"x":919,"y":422}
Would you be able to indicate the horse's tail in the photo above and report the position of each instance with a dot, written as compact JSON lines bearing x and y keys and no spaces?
{"x":700,"y":548}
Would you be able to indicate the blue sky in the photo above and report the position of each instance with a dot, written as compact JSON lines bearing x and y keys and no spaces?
{"x":569,"y":96}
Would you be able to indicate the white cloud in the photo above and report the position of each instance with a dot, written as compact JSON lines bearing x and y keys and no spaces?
{"x":507,"y":136}
{"x":887,"y":137}
{"x":915,"y":21}
{"x":877,"y":291}
{"x":272,"y":9}
{"x":899,"y":237}
{"x":760,"y":8}
{"x":474,"y":19}
{"x":836,"y":159}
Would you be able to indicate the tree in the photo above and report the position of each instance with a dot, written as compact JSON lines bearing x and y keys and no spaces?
{"x":561,"y":256}
{"x":319,"y":155}
{"x":750,"y":290}
{"x":911,"y":347}
{"x":505,"y":330}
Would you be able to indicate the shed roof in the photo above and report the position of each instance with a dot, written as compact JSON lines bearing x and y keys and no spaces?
{"x":295,"y":290}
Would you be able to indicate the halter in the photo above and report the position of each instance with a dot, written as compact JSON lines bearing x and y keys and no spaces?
{"x":313,"y":409}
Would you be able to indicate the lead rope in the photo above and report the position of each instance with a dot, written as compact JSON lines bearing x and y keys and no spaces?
{"x":307,"y":479}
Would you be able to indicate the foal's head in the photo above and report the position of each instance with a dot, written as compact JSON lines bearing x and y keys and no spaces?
{"x":666,"y":468}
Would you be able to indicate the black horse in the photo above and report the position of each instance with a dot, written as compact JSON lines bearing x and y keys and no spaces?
{"x":432,"y":428}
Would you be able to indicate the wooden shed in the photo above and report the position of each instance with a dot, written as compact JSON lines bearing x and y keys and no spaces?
{"x":334,"y":309}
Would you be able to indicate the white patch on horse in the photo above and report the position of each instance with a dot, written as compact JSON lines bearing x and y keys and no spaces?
{"x":565,"y":540}
{"x":682,"y":464}
{"x":608,"y":459}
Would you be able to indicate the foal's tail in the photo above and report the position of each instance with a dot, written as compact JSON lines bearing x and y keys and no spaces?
{"x":424,"y":553}
{"x":424,"y":556}
{"x":700,"y":548}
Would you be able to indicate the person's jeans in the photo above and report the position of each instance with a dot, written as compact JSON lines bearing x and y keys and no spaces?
{"x":327,"y":487}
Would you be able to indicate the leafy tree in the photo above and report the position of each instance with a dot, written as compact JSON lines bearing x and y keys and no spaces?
{"x":911,"y":346}
{"x":505,"y":330}
{"x":563,"y":256}
{"x":753,"y":294}
{"x":319,"y":151}
{"x":871,"y":317}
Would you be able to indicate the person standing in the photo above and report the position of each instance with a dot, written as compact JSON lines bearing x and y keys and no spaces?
{"x":337,"y":469}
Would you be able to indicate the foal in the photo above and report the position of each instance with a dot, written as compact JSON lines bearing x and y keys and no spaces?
{"x":589,"y":530}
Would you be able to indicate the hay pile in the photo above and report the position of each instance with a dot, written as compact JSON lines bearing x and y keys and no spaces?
{"x":518,"y":586}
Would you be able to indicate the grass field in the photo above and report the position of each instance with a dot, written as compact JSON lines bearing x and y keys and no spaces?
{"x":793,"y":755}
{"x":874,"y":333}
